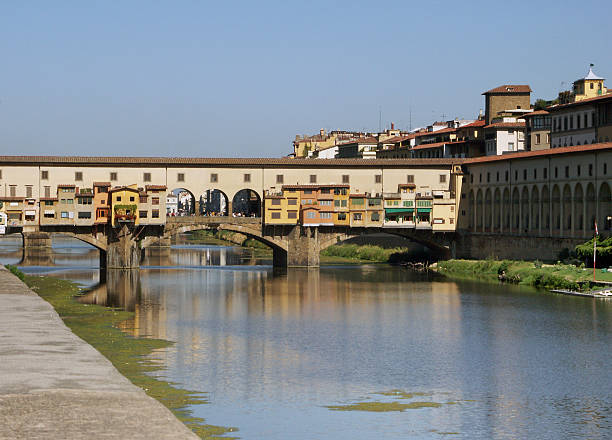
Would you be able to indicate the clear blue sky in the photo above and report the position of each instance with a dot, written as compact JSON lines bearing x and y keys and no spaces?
{"x":240,"y":79}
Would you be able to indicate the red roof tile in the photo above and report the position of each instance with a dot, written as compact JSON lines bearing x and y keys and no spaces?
{"x":436,"y":144}
{"x":101,"y":184}
{"x":155,"y":187}
{"x":584,"y":101}
{"x":510,"y":88}
{"x":478,"y":123}
{"x":506,"y":125}
{"x":535,"y":113}
{"x":541,"y":153}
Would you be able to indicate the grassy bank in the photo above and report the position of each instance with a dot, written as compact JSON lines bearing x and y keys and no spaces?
{"x":367,"y":253}
{"x":535,"y":274}
{"x":97,"y":325}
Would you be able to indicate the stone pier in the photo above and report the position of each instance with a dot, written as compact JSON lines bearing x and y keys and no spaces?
{"x":123,"y":251}
{"x":303,"y":248}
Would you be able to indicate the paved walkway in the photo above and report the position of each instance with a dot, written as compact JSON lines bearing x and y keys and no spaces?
{"x":54,"y":385}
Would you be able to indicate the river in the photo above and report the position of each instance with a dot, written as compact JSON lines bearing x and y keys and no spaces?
{"x":298,"y":354}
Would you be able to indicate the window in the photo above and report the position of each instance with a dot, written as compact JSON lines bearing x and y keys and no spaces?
{"x":44,"y":175}
{"x":578,"y":170}
{"x":567,"y":171}
{"x":326,"y":215}
{"x":142,"y":199}
{"x":488,"y":177}
{"x":84,"y":200}
{"x":605,"y":168}
{"x":410,"y":178}
{"x":535,"y":173}
{"x":118,"y":198}
{"x":146,"y":177}
{"x":247,"y":178}
{"x":180,"y":177}
{"x":292,"y":214}
{"x":214,"y":177}
{"x":276,"y":202}
{"x":515,"y":175}
{"x":47,"y":191}
{"x":375,"y":217}
{"x":155,"y":200}
{"x":307,"y":191}
{"x":590,"y":169}
{"x":341,"y":216}
{"x":378,"y":178}
{"x":506,"y":176}
{"x":49,"y":215}
{"x":155,"y":213}
{"x":537,"y":139}
{"x":442,"y":178}
{"x":510,"y":146}
{"x":357,"y":216}
{"x":78,"y":176}
{"x":85,"y":214}
{"x":64,"y":214}
{"x":132,"y":198}
{"x":292,"y":202}
{"x":113,"y":176}
{"x":326,"y":191}
{"x":325,"y":202}
{"x":343,"y":203}
{"x":545,"y":172}
{"x":13,"y":190}
{"x":313,"y":178}
{"x":524,"y":174}
{"x":280,"y":178}
{"x":0,"y":174}
{"x":310,"y":214}
{"x":276,"y":215}
{"x":497,"y":176}
{"x":143,"y":214}
{"x":556,"y":172}
{"x":28,"y":191}
{"x":345,"y":178}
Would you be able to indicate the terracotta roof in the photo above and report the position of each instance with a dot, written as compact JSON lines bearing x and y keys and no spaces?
{"x":479,"y":123}
{"x":315,"y":186}
{"x":12,"y":199}
{"x":506,"y":125}
{"x":436,"y":144}
{"x":101,"y":184}
{"x":155,"y":187}
{"x":160,"y":162}
{"x":357,"y":195}
{"x":584,"y":101}
{"x":535,"y":113}
{"x":541,"y":153}
{"x":86,"y":194}
{"x":123,"y":188}
{"x":434,"y":133}
{"x":406,"y":185}
{"x":366,"y":140}
{"x":510,"y":88}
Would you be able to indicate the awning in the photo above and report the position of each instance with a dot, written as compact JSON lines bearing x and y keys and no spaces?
{"x":30,"y":213}
{"x":398,"y":210}
{"x":49,"y":211}
{"x":423,"y":209}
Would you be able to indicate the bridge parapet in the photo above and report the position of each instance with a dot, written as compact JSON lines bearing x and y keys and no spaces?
{"x":213,"y":220}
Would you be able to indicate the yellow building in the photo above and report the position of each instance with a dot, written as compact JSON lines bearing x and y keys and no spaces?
{"x":282,"y":208}
{"x":591,"y":86}
{"x":304,"y":146}
{"x":124,"y":205}
{"x":357,"y":206}
{"x":340,"y":203}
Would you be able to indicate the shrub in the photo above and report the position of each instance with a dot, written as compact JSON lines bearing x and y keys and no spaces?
{"x":15,"y":271}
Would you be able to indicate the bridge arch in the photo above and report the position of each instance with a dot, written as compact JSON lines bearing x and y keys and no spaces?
{"x":545,"y":195}
{"x":497,"y":210}
{"x":556,"y":209}
{"x":506,"y":209}
{"x":246,"y":203}
{"x":591,"y":207}
{"x":487,"y":210}
{"x":213,"y":201}
{"x":525,"y":220}
{"x":181,"y":201}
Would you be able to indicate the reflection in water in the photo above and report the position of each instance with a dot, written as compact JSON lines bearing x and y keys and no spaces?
{"x":275,"y":350}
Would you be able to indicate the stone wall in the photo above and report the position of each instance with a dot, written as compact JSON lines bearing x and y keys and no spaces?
{"x":482,"y":246}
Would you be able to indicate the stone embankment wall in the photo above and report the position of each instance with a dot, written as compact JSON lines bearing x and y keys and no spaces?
{"x":483,"y":246}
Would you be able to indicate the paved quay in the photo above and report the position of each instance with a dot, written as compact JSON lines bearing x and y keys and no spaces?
{"x":54,"y":385}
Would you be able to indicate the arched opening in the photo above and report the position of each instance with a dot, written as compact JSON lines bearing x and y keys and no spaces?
{"x":591,"y":208}
{"x":525,"y":210}
{"x":516,"y":215}
{"x":471,"y":211}
{"x":180,"y":202}
{"x":506,"y":208}
{"x":246,"y":203}
{"x":488,"y":210}
{"x":556,"y":210}
{"x":213,"y":202}
{"x":578,"y":211}
{"x":567,"y":210}
{"x":546,"y":209}
{"x":605,"y":208}
{"x":479,"y":210}
{"x":497,"y":210}
{"x":535,"y":209}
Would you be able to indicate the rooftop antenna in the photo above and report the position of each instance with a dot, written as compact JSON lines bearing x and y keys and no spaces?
{"x":379,"y":118}
{"x":410,"y":112}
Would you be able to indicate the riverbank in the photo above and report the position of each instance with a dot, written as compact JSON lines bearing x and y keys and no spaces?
{"x":55,"y":385}
{"x":534,"y":274}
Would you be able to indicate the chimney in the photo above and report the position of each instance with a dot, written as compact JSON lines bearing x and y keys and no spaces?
{"x":392,"y":126}
{"x":322,"y":132}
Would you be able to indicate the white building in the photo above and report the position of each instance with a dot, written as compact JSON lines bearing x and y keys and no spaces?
{"x":171,"y":204}
{"x":504,"y":135}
